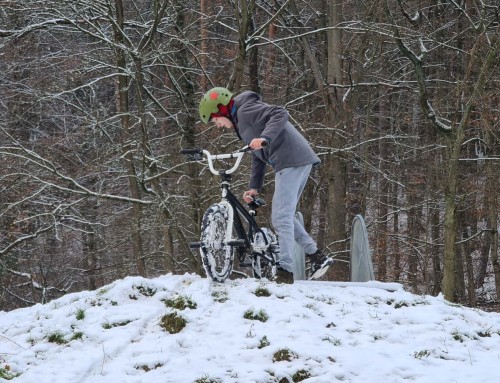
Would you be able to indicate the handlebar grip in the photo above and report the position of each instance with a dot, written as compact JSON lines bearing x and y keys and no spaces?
{"x":249,"y":149}
{"x":191,"y":151}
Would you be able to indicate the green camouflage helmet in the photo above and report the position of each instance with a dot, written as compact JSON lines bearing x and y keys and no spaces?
{"x":211,"y":99}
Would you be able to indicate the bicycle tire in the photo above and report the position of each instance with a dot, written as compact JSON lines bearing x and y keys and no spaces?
{"x":216,"y":233}
{"x":262,"y":268}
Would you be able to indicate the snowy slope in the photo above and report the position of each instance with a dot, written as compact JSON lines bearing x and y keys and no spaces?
{"x":371,"y":332}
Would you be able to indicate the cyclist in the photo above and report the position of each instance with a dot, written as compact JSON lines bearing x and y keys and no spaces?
{"x":266,"y":129}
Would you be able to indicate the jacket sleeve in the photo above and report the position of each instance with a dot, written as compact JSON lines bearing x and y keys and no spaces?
{"x":258,"y":173}
{"x":271,"y":119}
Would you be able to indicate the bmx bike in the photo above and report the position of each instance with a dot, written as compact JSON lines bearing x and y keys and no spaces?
{"x":229,"y":228}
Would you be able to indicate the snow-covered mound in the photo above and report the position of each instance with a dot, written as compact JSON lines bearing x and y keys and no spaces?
{"x":186,"y":329}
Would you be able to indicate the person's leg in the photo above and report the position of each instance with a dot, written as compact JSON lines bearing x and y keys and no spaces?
{"x":303,"y":238}
{"x":289,"y":184}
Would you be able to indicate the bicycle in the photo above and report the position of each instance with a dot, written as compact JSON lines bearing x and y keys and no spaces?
{"x":228,"y":226}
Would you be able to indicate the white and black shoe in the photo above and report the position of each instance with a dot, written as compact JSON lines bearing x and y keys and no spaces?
{"x":317,"y":264}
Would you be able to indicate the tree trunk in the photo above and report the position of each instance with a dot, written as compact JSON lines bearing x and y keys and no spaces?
{"x":128,"y":159}
{"x":413,"y":232}
{"x":491,"y":201}
{"x":90,"y":247}
{"x":253,"y":62}
{"x":436,"y":259}
{"x":383,"y":204}
{"x":455,"y":141}
{"x":203,"y":43}
{"x":244,"y":13}
{"x":395,"y":230}
{"x":460,"y":266}
{"x":336,"y":164}
{"x":450,"y":221}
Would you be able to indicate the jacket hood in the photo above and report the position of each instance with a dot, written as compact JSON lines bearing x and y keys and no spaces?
{"x":246,"y":96}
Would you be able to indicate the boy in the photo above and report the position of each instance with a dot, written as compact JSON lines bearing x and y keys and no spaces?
{"x":275,"y":141}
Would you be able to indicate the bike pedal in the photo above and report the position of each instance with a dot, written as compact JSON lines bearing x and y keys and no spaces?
{"x":195,"y":245}
{"x":245,"y":264}
{"x":236,"y":243}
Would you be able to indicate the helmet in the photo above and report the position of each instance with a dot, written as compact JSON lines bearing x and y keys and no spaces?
{"x":211,"y":99}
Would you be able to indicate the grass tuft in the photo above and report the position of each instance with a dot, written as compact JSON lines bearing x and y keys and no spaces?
{"x":207,"y":379}
{"x":262,"y":292}
{"x":260,"y":315}
{"x":220,"y":296}
{"x":421,"y":354}
{"x":80,"y":314}
{"x":108,"y":325}
{"x":180,"y":303}
{"x":146,"y":368}
{"x":57,"y":338}
{"x":77,"y":335}
{"x":283,"y":355}
{"x":484,"y":334}
{"x":6,"y":373}
{"x":301,"y":375}
{"x":335,"y":341}
{"x":264,"y":342}
{"x":457,"y":336}
{"x":173,"y":323}
{"x":146,"y":291}
{"x":401,"y":304}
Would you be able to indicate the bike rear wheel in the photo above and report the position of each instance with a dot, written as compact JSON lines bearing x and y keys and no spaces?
{"x":262,"y":268}
{"x":261,"y":265}
{"x":216,"y":235}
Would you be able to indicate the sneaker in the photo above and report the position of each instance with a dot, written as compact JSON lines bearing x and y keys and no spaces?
{"x":283,"y":276}
{"x":317,"y":264}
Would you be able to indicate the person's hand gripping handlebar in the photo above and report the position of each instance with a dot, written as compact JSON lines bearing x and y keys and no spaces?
{"x":258,"y":143}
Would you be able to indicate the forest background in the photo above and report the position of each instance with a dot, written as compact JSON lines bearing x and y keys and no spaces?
{"x":400,"y":99}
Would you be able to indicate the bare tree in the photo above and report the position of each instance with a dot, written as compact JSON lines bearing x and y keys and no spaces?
{"x":465,"y":98}
{"x":400,"y":100}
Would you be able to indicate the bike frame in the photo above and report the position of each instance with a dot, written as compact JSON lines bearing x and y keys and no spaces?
{"x":240,"y":211}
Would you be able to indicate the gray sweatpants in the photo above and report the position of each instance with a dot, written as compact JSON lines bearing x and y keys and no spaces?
{"x":288,"y":187}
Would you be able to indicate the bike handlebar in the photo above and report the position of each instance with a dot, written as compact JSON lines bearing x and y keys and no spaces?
{"x":211,"y":157}
{"x":197,"y":154}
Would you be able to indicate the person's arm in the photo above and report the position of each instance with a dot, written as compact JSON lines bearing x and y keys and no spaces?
{"x":258,"y":172}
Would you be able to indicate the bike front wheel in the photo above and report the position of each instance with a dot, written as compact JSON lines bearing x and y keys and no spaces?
{"x":216,"y":234}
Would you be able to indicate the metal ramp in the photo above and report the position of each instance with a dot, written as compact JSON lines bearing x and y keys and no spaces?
{"x":361,"y":266}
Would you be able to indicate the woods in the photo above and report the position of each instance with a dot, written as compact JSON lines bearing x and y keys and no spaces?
{"x":400,"y":99}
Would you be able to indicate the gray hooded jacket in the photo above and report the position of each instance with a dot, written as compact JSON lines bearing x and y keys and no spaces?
{"x":287,"y":147}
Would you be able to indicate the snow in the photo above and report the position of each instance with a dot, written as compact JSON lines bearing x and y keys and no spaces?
{"x":335,"y":332}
